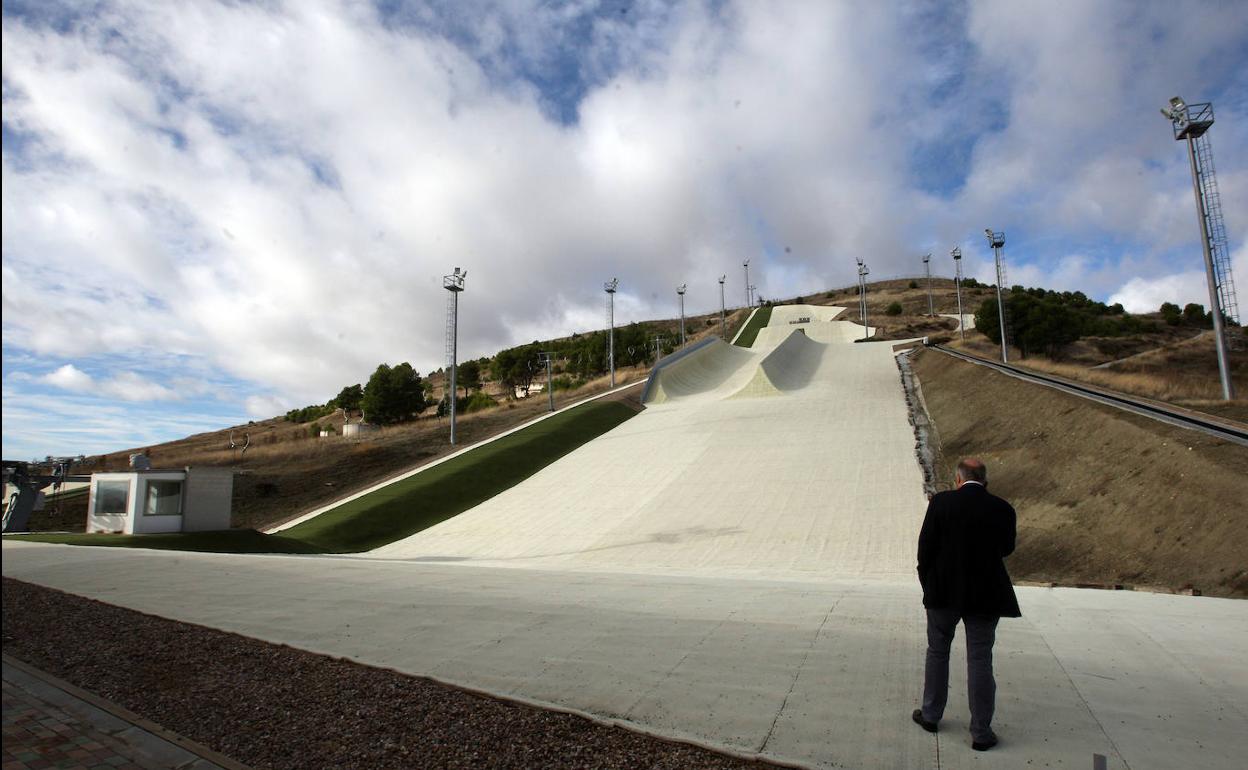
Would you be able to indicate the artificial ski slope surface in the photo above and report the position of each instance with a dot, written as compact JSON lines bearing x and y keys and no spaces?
{"x":792,"y":457}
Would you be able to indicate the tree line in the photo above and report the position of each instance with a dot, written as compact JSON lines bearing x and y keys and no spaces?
{"x":395,"y":394}
{"x":1046,"y":322}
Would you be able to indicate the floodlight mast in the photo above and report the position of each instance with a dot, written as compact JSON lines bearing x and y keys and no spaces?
{"x":863,"y":272}
{"x":454,"y":283}
{"x":723,"y":325}
{"x":957,"y":283}
{"x":1190,"y":122}
{"x":680,"y":291}
{"x":610,"y":287}
{"x":927,"y":268}
{"x":749,"y":301}
{"x":546,"y":358}
{"x":997,"y":242}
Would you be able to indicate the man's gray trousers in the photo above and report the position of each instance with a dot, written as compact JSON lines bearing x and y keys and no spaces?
{"x":981,"y":686}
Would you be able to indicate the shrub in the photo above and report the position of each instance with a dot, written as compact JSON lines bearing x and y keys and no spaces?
{"x":314,"y":412}
{"x":393,"y":394}
{"x":566,"y":383}
{"x":476,"y":402}
{"x":893,"y":309}
{"x":349,"y":398}
{"x":1195,"y":315}
{"x":914,"y":284}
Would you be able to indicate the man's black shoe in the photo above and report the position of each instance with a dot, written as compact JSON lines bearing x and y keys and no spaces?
{"x":985,"y":744}
{"x":917,"y":716}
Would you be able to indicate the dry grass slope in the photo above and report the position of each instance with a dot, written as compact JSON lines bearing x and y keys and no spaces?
{"x":1103,"y":496}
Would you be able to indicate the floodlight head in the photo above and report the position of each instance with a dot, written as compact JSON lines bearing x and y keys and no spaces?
{"x":454,"y":281}
{"x":681,"y":288}
{"x":927,"y":258}
{"x":723,"y":278}
{"x":746,"y":263}
{"x":1177,"y":103}
{"x":611,"y":285}
{"x":956,"y":253}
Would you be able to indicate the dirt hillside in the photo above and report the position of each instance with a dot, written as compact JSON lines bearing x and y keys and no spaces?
{"x":1103,"y":496}
{"x":288,"y":470}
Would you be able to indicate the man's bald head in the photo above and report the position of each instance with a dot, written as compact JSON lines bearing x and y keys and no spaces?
{"x":972,"y":469}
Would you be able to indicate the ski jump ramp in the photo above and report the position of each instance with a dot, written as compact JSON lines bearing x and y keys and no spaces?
{"x":792,"y":457}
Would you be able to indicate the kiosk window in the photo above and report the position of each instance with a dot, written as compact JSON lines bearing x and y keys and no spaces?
{"x":164,"y":498}
{"x":112,"y":497}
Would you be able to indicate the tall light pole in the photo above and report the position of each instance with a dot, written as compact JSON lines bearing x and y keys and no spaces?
{"x":927,"y":268}
{"x":545,"y":358}
{"x":680,"y":291}
{"x":610,"y":287}
{"x":454,"y":283}
{"x":863,"y":272}
{"x":1190,"y":122}
{"x":723,"y":325}
{"x":749,"y":301}
{"x":997,"y":242}
{"x":957,"y":283}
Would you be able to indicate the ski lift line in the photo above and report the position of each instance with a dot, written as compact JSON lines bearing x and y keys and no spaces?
{"x":1160,"y":412}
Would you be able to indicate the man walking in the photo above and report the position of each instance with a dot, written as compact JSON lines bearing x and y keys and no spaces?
{"x":966,"y":534}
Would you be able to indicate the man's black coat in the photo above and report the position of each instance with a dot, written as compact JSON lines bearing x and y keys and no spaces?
{"x":965,"y":536}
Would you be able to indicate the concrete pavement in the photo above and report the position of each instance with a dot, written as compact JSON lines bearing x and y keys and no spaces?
{"x":823,"y":672}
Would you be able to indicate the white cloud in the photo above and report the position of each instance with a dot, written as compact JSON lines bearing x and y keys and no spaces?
{"x":124,"y":386}
{"x":70,"y":377}
{"x":264,"y":407}
{"x":274,"y":190}
{"x":1144,"y":295}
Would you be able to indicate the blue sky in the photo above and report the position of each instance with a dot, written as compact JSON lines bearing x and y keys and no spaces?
{"x":214,"y":212}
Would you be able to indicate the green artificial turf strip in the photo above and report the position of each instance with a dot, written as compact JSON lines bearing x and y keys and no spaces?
{"x":443,"y":491}
{"x":225,"y":541}
{"x":760,"y":319}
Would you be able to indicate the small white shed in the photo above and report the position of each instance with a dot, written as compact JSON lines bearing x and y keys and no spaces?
{"x":148,"y":501}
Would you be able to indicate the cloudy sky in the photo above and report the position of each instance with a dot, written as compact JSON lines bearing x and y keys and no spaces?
{"x":220,"y":210}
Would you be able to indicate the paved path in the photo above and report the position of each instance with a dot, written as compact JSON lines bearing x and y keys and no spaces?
{"x":821,"y":672}
{"x":49,"y":724}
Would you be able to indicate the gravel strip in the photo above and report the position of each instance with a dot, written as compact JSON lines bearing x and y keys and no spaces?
{"x":272,"y":706}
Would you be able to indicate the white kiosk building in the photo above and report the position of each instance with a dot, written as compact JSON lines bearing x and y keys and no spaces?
{"x":141,"y":502}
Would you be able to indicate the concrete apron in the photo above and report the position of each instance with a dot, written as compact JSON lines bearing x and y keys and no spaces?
{"x":821,"y":672}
